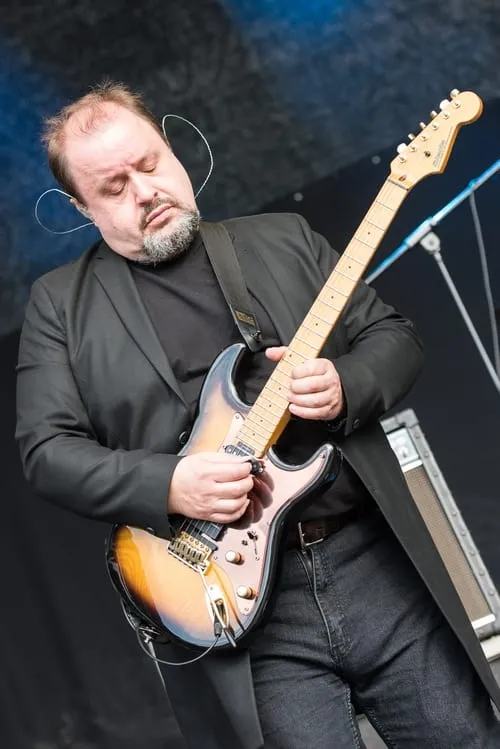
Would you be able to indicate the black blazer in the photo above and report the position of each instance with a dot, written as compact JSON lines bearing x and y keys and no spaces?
{"x":100,"y":414}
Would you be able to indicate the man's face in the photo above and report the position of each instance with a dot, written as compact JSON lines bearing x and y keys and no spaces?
{"x":136,"y":191}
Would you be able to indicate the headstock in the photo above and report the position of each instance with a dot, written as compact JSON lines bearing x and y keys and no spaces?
{"x":429,"y":151}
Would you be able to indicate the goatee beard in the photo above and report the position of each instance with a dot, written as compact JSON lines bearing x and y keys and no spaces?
{"x":170,"y":243}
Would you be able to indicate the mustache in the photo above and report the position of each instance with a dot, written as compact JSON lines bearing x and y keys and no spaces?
{"x":148,"y":209}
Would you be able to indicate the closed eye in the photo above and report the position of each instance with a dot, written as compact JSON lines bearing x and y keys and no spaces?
{"x":115,"y":190}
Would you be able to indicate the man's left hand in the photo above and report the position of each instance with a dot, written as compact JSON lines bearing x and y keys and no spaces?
{"x":316,"y":391}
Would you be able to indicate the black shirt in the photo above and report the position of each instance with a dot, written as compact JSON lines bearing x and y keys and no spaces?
{"x":194,"y":324}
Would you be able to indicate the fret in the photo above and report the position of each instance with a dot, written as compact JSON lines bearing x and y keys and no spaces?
{"x":323,"y":301}
{"x":297,"y":337}
{"x":342,"y":284}
{"x":263,"y":413}
{"x":323,"y":320}
{"x":302,"y":348}
{"x":366,"y":230}
{"x":268,"y":404}
{"x":249,"y":430}
{"x":274,"y":395}
{"x":315,"y":332}
{"x":269,"y":394}
{"x":371,"y":246}
{"x":344,"y":275}
{"x":331,"y":306}
{"x":372,"y":223}
{"x":258,"y":446}
{"x":255,"y":431}
{"x":328,"y":288}
{"x":276,"y":389}
{"x":354,"y":259}
{"x":280,"y":377}
{"x":354,"y":278}
{"x":261,"y":420}
{"x":308,"y":332}
{"x":283,"y":364}
{"x":379,"y":202}
{"x":293,"y":357}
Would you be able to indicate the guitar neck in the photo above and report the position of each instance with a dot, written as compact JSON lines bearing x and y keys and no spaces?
{"x":269,"y":415}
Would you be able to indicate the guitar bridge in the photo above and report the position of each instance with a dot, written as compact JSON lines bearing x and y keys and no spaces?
{"x":190,"y":551}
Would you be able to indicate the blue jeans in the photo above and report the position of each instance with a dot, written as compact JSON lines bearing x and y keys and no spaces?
{"x":355,"y":630}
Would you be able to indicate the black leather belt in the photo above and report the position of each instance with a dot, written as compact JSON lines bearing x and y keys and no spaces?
{"x":309,"y":532}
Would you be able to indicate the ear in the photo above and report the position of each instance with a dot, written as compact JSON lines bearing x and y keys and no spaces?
{"x":81,"y":208}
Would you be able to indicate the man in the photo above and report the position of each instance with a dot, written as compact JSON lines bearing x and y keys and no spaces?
{"x":114,"y":350}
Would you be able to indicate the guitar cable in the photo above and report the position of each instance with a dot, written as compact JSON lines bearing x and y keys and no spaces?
{"x":145,"y":638}
{"x":218,"y":620}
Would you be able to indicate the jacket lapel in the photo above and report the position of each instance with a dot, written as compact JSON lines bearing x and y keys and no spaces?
{"x":116,"y":279}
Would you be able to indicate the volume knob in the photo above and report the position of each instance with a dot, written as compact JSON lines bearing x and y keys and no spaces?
{"x":242,"y":591}
{"x":234,"y":557}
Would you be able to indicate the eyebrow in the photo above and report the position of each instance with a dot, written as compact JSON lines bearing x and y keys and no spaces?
{"x":120,"y":176}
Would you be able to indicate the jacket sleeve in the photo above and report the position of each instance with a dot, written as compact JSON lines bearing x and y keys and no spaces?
{"x":60,"y":454}
{"x":384,"y":352}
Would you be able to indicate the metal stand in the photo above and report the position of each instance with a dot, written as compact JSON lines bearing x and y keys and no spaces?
{"x":432,"y":244}
{"x":429,"y":240}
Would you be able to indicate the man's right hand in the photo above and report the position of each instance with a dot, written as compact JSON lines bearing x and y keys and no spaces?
{"x":211,"y":486}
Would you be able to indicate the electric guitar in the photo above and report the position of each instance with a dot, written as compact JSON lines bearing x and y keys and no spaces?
{"x":209,"y":585}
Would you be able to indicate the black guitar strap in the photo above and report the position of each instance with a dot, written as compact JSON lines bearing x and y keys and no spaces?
{"x":222,"y":256}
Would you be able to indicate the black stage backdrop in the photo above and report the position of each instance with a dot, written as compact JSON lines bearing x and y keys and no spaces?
{"x":72,"y":674}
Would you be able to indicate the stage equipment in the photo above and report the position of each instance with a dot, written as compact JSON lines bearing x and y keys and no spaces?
{"x":445,"y":523}
{"x":426,"y":236}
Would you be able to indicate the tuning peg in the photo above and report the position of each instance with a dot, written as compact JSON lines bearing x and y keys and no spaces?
{"x":445,"y":103}
{"x":411,"y":136}
{"x":422,"y":125}
{"x":454,"y":93}
{"x":402,"y":147}
{"x":433,"y":114}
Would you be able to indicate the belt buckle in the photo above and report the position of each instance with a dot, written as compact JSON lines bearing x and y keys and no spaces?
{"x":306,"y":544}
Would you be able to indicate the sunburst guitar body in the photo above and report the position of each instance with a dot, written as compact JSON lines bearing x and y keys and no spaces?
{"x":210,"y":584}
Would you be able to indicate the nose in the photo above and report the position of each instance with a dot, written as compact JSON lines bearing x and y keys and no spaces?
{"x":144,"y":188}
